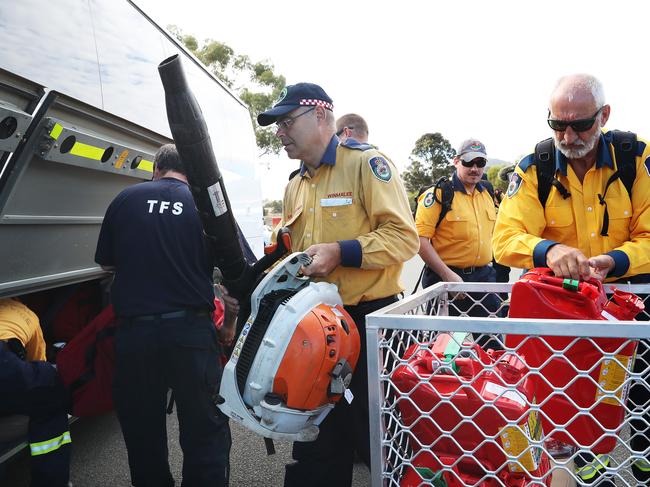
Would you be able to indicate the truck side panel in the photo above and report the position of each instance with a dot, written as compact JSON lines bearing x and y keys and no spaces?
{"x":86,"y":75}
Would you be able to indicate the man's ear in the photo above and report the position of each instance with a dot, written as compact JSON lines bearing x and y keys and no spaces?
{"x":320,"y":113}
{"x":605,"y":114}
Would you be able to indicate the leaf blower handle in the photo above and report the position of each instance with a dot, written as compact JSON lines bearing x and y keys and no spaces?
{"x":274,"y":252}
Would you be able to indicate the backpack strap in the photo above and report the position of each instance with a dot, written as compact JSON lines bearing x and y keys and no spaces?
{"x":446,"y":196}
{"x":625,"y":151}
{"x":544,"y":160}
{"x":625,"y":144}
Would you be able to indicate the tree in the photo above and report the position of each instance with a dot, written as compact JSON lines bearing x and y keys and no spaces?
{"x":493,"y":177}
{"x":272,"y":206}
{"x":432,"y":156}
{"x":254,"y":82}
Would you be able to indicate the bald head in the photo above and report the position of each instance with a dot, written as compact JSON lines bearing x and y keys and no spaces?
{"x":579,"y":88}
{"x":578,"y":98}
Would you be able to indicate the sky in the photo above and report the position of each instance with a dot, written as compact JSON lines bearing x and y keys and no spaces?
{"x":481,"y":69}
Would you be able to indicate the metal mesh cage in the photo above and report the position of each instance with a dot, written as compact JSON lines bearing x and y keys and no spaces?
{"x":460,"y":395}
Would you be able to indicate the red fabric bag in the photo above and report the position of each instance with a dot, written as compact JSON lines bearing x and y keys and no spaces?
{"x":87,"y":363}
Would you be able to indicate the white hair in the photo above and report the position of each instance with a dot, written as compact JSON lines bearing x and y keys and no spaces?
{"x":574,"y":83}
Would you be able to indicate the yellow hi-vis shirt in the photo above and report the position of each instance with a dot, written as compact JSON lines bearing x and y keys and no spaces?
{"x":18,"y":321}
{"x":464,"y":236}
{"x":356,"y":198}
{"x":525,"y":230}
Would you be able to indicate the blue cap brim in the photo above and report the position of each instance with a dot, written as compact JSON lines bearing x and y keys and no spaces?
{"x":270,"y":116}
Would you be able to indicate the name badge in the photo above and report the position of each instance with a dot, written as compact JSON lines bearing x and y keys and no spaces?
{"x":335,"y":201}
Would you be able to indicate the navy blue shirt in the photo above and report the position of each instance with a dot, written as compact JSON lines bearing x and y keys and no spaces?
{"x":153,"y":236}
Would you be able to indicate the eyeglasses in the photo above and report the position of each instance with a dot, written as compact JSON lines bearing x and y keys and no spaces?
{"x":342,"y":129}
{"x":286,"y":123}
{"x":581,"y":125}
{"x":477,"y":161}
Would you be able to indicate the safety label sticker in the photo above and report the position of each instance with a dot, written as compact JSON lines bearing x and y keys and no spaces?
{"x":516,"y":441}
{"x":611,"y":377}
{"x":217,"y":199}
{"x":240,"y":342}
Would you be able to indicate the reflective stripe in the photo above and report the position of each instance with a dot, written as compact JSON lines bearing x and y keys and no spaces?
{"x":88,"y":151}
{"x":642,"y":464}
{"x":43,"y":447}
{"x":589,"y":471}
{"x":56,"y":131}
{"x":145,"y":165}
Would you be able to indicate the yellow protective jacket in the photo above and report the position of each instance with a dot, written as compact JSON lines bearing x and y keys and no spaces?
{"x":18,"y":321}
{"x":356,"y":198}
{"x":525,"y":230}
{"x":464,"y":236}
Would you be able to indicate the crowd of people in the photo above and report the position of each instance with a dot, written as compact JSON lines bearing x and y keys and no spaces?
{"x":579,"y":204}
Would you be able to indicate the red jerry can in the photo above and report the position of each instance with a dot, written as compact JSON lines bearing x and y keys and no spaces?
{"x":603,"y":361}
{"x":472,"y":407}
{"x":427,"y":470}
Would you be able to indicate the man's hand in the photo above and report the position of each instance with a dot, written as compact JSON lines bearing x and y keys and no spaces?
{"x":601,"y":265}
{"x":451,"y":276}
{"x":231,"y":305}
{"x":325,"y":258}
{"x":566,"y":261}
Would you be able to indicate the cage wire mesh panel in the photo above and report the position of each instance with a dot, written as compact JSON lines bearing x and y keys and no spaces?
{"x":459,"y":400}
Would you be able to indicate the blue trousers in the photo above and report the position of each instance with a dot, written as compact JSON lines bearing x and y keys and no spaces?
{"x":181,"y":354}
{"x":328,"y":461}
{"x":481,"y":304}
{"x":34,"y":389}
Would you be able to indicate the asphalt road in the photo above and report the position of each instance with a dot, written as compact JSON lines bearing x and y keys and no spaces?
{"x":99,"y":458}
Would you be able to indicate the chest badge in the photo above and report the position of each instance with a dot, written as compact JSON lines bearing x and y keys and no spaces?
{"x":380,"y":168}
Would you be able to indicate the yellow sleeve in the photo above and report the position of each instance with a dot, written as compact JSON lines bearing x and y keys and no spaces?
{"x":18,"y":321}
{"x":393,"y":238}
{"x":35,"y":347}
{"x":427,"y":214}
{"x":633,"y":257}
{"x":517,"y":233}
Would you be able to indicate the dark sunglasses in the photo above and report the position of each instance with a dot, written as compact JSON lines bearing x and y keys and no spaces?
{"x":581,"y":125}
{"x":477,"y":161}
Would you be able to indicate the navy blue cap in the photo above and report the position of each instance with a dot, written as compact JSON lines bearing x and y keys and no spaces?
{"x":294,"y":96}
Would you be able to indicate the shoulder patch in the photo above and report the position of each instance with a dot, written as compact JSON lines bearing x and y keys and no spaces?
{"x":351,"y":143}
{"x":380,"y":168}
{"x":428,"y":200}
{"x":526,"y":162}
{"x":515,"y":184}
{"x":647,"y":165}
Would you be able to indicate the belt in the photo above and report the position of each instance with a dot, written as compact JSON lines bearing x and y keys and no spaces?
{"x":467,"y":270}
{"x":172,"y":315}
{"x":373,"y":304}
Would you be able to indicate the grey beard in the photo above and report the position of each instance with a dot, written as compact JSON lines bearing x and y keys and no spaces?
{"x":583,"y":150}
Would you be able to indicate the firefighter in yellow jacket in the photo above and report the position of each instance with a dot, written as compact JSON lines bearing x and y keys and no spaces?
{"x":29,"y":385}
{"x":589,"y":216}
{"x":347,"y":208}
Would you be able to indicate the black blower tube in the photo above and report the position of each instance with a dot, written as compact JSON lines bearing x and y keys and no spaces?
{"x":192,"y":141}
